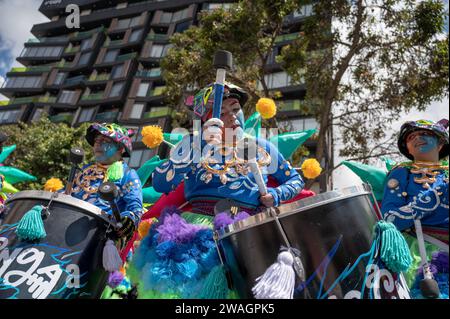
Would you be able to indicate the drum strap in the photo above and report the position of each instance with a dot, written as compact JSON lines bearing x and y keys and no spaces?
{"x":443,"y":246}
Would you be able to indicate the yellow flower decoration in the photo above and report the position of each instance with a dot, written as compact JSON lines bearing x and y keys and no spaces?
{"x":152,"y":136}
{"x":266,"y":108}
{"x":53,"y":185}
{"x":311,"y":168}
{"x":144,"y":228}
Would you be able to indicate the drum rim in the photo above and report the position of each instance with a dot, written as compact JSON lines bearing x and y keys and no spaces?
{"x":266,"y":217}
{"x":61,"y":198}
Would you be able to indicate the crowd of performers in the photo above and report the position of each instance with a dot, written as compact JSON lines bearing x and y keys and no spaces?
{"x":170,"y":251}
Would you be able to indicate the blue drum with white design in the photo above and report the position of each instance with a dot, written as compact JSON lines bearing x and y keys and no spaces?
{"x":67,"y":263}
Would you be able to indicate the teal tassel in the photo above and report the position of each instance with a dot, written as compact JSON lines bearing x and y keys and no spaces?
{"x":31,"y":226}
{"x":394,"y":250}
{"x":215,"y":286}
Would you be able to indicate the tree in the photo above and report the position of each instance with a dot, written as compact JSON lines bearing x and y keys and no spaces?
{"x":43,"y":148}
{"x":388,"y":58}
{"x":363,"y":62}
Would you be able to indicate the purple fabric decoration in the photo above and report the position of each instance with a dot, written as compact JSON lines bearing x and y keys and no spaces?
{"x":175,"y":228}
{"x":167,"y":211}
{"x":222,"y":220}
{"x":440,"y":261}
{"x":115,"y":278}
{"x":240,"y":216}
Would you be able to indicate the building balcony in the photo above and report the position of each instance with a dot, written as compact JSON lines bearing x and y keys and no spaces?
{"x":286,"y":37}
{"x":49,"y":40}
{"x":107,"y":116}
{"x":93,"y":97}
{"x":155,"y":37}
{"x":157,"y":112}
{"x":62,"y":118}
{"x":85,"y":34}
{"x":149,"y":73}
{"x":125,"y":57}
{"x":99,"y":77}
{"x":32,"y":69}
{"x":75,"y":49}
{"x":77,"y":80}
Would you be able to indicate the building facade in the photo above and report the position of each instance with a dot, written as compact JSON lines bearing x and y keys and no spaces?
{"x":109,"y":69}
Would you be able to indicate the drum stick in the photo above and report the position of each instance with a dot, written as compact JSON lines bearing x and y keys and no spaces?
{"x":223,"y":60}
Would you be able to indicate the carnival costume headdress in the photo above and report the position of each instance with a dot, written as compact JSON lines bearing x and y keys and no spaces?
{"x":114,"y":131}
{"x":440,"y":129}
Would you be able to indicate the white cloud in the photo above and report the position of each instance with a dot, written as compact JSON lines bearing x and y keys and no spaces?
{"x":17,"y":17}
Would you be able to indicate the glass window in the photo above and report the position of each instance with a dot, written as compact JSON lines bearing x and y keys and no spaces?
{"x":59,"y":78}
{"x":183,"y":26}
{"x":135,"y":21}
{"x":136,"y":111}
{"x":117,"y":71}
{"x":156,"y":51}
{"x":135,"y":158}
{"x":123,"y":24}
{"x":143,"y":89}
{"x":67,"y":97}
{"x":166,"y":17}
{"x":135,"y":35}
{"x":86,"y":44}
{"x":111,"y":56}
{"x":37,"y":114}
{"x":86,"y":114}
{"x":116,"y":89}
{"x":84,"y":59}
{"x":41,"y":51}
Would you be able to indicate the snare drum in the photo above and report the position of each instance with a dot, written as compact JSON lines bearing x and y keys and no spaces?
{"x":334,"y":233}
{"x":67,"y":263}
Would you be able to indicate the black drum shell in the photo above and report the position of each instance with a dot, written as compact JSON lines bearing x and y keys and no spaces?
{"x":69,"y":228}
{"x":346,"y":224}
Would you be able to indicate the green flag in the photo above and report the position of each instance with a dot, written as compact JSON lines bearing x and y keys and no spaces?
{"x":289,"y":142}
{"x":7,"y":150}
{"x":150,"y":195}
{"x":15,"y":175}
{"x":8,"y":188}
{"x":253,"y":124}
{"x":371,"y":175}
{"x":147,"y":169}
{"x":389,"y":163}
{"x":173,"y":138}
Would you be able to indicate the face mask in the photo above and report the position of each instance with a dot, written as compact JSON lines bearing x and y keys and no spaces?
{"x":108,"y":149}
{"x":431,"y":143}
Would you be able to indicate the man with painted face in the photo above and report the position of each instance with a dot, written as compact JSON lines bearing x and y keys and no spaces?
{"x":111,"y":143}
{"x":208,"y":182}
{"x":419,"y":190}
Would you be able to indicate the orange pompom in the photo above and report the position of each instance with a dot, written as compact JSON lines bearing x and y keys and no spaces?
{"x":152,"y":136}
{"x":311,"y":168}
{"x":53,"y":185}
{"x":266,"y":108}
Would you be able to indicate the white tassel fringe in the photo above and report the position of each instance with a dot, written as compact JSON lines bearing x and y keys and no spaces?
{"x":111,"y":258}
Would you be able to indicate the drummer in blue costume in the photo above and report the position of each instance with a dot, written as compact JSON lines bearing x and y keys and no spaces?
{"x":418,"y":191}
{"x":111,"y":143}
{"x":178,"y":258}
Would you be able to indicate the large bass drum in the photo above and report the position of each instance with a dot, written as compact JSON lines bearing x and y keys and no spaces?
{"x":334,"y":235}
{"x":67,"y":263}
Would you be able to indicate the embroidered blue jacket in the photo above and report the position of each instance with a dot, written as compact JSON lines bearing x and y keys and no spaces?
{"x":130,"y":191}
{"x":404,"y":200}
{"x":184,"y":163}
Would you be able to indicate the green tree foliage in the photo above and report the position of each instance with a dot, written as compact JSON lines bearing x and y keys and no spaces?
{"x":363,"y":62}
{"x":43,"y":148}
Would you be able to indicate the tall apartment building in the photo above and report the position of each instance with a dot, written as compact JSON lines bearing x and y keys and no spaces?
{"x":109,"y":69}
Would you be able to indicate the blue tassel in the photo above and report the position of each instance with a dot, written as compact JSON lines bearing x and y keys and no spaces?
{"x":215,"y":286}
{"x":31,"y":226}
{"x":394,"y":250}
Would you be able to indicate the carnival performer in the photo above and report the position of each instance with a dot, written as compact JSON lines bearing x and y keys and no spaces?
{"x":178,"y":258}
{"x":111,"y":143}
{"x":416,"y":199}
{"x":3,"y":197}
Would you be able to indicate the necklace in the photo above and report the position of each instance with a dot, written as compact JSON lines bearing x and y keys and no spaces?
{"x":83,"y":181}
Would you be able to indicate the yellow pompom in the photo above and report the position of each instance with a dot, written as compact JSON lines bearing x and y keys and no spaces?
{"x":152,"y":136}
{"x":144,"y":228}
{"x":53,"y":185}
{"x":311,"y":168}
{"x":266,"y":108}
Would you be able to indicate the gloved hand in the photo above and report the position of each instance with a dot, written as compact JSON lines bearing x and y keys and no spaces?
{"x":127,"y":229}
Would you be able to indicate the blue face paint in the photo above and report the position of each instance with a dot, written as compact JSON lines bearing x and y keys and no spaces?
{"x":431,"y":143}
{"x":108,"y":149}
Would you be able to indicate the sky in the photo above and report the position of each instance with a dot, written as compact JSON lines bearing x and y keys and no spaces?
{"x":18,"y":16}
